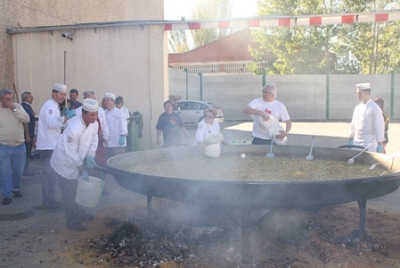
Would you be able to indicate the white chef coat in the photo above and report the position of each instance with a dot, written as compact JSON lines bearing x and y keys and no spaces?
{"x":274,"y":108}
{"x":50,"y":124}
{"x":117,"y":126}
{"x":367,"y":125}
{"x":103,"y":122}
{"x":76,"y":142}
{"x":206,"y":132}
{"x":125,"y":111}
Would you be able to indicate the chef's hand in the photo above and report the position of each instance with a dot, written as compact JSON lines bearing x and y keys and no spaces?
{"x":69,"y":113}
{"x":350,"y":143}
{"x":121,"y":140}
{"x":90,"y":162}
{"x":85,"y":175}
{"x":282,"y":134}
{"x":379,"y":149}
{"x":265,"y":116}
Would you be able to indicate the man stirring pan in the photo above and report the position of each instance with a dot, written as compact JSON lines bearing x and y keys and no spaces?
{"x":75,"y":151}
{"x":367,"y":125}
{"x":264,"y":108}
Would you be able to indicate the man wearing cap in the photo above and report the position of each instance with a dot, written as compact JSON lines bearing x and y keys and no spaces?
{"x":103,"y":132}
{"x":367,"y":125}
{"x":117,"y":126}
{"x":74,"y":152}
{"x":50,"y":125}
{"x":12,"y":146}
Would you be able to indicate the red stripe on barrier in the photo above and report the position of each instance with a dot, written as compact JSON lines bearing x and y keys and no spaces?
{"x":348,"y":19}
{"x":315,"y":20}
{"x":284,"y":22}
{"x":194,"y":26}
{"x":168,"y":27}
{"x":382,"y":17}
{"x":223,"y":24}
{"x":254,"y":23}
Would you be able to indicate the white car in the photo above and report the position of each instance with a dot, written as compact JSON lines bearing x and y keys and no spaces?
{"x":191,"y":111}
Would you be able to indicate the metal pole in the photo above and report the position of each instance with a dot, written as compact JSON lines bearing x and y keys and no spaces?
{"x":201,"y":86}
{"x":362,"y":204}
{"x":264,"y":76}
{"x":65,"y":64}
{"x":246,"y":234}
{"x":392,"y":94}
{"x":327,"y":95}
{"x":187,"y":84}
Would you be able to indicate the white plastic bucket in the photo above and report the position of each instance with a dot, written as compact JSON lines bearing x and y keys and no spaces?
{"x":89,"y":192}
{"x":213,"y":150}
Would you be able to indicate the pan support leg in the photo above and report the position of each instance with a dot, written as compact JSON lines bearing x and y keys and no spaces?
{"x":246,"y":234}
{"x":149,"y":198}
{"x":362,"y":204}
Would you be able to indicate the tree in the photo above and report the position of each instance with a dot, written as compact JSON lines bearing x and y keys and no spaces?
{"x":352,"y":48}
{"x":177,"y":41}
{"x":210,"y":10}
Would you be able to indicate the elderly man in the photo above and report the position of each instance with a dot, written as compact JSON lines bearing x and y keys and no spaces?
{"x":117,"y":126}
{"x":367,"y":124}
{"x":50,"y":124}
{"x":261,"y":109}
{"x":29,"y":129}
{"x":74,"y":152}
{"x":12,"y":146}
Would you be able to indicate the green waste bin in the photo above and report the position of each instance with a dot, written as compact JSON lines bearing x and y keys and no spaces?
{"x":135,"y":129}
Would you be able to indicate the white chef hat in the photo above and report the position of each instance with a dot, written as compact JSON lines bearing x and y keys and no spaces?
{"x":90,"y":105}
{"x":363,"y":86}
{"x":110,"y":95}
{"x":60,"y":87}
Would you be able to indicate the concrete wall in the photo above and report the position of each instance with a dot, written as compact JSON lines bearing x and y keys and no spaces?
{"x":34,"y":13}
{"x":303,"y":95}
{"x":125,"y":60}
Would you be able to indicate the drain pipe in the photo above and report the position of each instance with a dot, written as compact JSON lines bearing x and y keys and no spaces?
{"x":201,"y":86}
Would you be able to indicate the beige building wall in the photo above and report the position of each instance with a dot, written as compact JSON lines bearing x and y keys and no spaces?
{"x":34,"y":13}
{"x":128,"y":60}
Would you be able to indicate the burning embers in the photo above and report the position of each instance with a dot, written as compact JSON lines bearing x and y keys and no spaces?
{"x":140,"y":243}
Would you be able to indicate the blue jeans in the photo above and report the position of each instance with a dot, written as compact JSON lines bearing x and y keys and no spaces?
{"x":12,"y":163}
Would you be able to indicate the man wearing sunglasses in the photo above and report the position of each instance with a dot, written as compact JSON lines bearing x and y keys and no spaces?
{"x":266,"y":112}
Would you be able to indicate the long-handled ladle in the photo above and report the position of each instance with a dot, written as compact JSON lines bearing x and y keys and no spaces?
{"x":310,"y":156}
{"x":378,"y":163}
{"x":351,"y":160}
{"x":271,"y":154}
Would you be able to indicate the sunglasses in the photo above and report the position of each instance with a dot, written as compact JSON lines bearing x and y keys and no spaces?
{"x":209,"y":116}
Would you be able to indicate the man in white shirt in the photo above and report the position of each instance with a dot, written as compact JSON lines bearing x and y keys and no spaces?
{"x":50,"y":123}
{"x":367,"y":124}
{"x":75,"y":151}
{"x":117,"y":126}
{"x":264,"y":111}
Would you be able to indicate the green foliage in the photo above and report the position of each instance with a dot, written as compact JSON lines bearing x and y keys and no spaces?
{"x":210,"y":10}
{"x":177,"y":41}
{"x":344,"y":48}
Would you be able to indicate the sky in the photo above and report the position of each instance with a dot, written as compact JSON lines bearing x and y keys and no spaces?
{"x":175,"y":9}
